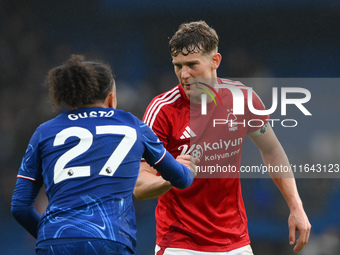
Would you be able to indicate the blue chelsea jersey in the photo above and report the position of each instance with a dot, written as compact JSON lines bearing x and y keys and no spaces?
{"x":89,"y":161}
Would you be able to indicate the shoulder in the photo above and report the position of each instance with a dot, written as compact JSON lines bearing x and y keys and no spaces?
{"x":231,"y":82}
{"x":43,"y":132}
{"x":234,"y":88}
{"x":163,"y":104}
{"x":47,"y":125}
{"x":166,"y":98}
{"x":126,"y":116}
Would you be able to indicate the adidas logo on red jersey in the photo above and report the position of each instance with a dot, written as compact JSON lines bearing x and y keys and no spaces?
{"x":188,"y":133}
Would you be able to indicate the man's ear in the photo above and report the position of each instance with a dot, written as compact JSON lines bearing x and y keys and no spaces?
{"x":216,"y":60}
{"x":109,"y":101}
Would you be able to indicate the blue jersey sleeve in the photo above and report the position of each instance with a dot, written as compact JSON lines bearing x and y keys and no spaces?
{"x":156,"y":156}
{"x":30,"y":167}
{"x":171,"y":170}
{"x":27,"y":188}
{"x":154,"y":149}
{"x":24,"y":195}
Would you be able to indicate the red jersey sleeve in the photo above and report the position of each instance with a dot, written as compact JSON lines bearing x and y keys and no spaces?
{"x":257,"y":121}
{"x":156,"y":119}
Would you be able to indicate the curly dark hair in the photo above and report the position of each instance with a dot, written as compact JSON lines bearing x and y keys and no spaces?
{"x":78,"y":82}
{"x":192,"y":38}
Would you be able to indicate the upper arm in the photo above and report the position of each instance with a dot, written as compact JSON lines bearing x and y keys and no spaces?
{"x":267,"y":142}
{"x":273,"y":154}
{"x":30,"y":167}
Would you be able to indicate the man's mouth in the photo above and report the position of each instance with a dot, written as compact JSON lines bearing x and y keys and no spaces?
{"x":188,"y":85}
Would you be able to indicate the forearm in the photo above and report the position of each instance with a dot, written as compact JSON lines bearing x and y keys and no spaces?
{"x":176,"y":173}
{"x":173,"y":174}
{"x":298,"y":220}
{"x":284,"y":179}
{"x":150,"y":186}
{"x":273,"y":155}
{"x":27,"y":217}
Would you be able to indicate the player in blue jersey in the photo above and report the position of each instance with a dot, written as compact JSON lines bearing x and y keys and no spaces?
{"x":88,"y":158}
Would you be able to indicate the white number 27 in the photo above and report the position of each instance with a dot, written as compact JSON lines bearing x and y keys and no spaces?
{"x":85,"y":141}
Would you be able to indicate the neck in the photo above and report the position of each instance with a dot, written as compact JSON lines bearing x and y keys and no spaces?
{"x":96,"y":105}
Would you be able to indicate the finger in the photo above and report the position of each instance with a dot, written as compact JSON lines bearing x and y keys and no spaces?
{"x":309,"y":229}
{"x":195,"y":160}
{"x":186,"y":163}
{"x":194,"y":172}
{"x":299,"y":245}
{"x":184,"y":157}
{"x":305,"y":235}
{"x":305,"y":232}
{"x":193,"y":169}
{"x":297,"y":248}
{"x":184,"y":160}
{"x":291,"y":235}
{"x":303,"y":239}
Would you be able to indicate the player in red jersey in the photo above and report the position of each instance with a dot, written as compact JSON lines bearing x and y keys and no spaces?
{"x":209,"y":217}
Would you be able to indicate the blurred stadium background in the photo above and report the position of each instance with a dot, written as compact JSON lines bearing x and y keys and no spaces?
{"x":263,"y":38}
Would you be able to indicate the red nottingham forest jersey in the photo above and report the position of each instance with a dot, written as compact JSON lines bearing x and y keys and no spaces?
{"x":209,"y":215}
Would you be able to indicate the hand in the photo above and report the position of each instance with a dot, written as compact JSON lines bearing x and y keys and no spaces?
{"x":298,"y":221}
{"x":189,"y":161}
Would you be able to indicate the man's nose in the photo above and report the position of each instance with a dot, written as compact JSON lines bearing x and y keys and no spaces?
{"x":185,"y":74}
